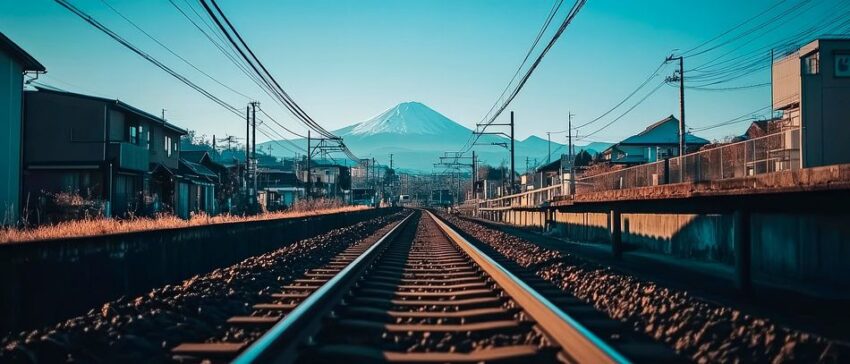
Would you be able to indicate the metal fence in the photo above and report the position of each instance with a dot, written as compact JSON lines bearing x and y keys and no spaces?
{"x":770,"y":153}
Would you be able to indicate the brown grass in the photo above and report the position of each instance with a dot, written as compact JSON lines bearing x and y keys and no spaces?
{"x":100,"y":226}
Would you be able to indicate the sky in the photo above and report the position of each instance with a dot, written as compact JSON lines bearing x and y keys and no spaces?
{"x":346,"y":61}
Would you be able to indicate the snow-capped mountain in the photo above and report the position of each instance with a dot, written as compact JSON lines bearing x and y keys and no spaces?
{"x":408,"y":118}
{"x":417,"y":136}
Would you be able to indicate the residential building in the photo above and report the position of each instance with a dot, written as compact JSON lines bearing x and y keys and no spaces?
{"x":278,"y":187}
{"x":226,"y":182}
{"x":657,"y":142}
{"x":201,"y":185}
{"x":102,"y":149}
{"x":327,"y":179}
{"x":811,"y":87}
{"x":14,"y":63}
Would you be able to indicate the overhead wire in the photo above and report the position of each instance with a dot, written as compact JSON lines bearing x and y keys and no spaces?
{"x":157,"y":41}
{"x":577,"y":6}
{"x":230,"y":31}
{"x":129,"y":45}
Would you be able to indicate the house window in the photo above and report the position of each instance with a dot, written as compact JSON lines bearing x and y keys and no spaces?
{"x":167,"y":146}
{"x":133,"y":134}
{"x":811,"y":64}
{"x":148,"y":137}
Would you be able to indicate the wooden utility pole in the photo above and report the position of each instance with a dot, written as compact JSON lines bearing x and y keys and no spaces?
{"x":247,"y":146}
{"x":570,"y":155}
{"x":549,"y":146}
{"x":681,"y":79}
{"x":255,"y":163}
{"x":474,"y":176}
{"x":309,"y":157}
{"x":513,"y":155}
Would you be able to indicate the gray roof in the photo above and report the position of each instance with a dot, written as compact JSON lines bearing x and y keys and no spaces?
{"x":197,"y":169}
{"x":664,"y":131}
{"x":118,"y":104}
{"x":195,"y":156}
{"x":17,"y":53}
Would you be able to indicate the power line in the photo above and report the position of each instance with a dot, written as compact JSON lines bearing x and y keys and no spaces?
{"x":242,"y":47}
{"x":687,"y":52}
{"x":256,"y":65}
{"x":190,"y":64}
{"x":577,"y":6}
{"x":144,"y":55}
{"x":148,"y":57}
{"x":627,"y":111}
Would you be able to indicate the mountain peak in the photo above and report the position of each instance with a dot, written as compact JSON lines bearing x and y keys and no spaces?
{"x":409,"y":118}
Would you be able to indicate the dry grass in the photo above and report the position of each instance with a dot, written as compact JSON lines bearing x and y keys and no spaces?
{"x":100,"y":226}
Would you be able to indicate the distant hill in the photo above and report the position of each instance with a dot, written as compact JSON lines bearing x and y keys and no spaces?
{"x":417,"y":135}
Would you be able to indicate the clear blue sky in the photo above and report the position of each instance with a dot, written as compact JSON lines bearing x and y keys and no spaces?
{"x":346,"y":61}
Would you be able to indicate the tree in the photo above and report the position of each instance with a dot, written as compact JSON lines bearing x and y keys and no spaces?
{"x":583,"y":158}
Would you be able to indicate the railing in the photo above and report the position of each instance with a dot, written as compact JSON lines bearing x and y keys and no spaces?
{"x":525,"y":199}
{"x":770,"y":153}
{"x":130,"y":156}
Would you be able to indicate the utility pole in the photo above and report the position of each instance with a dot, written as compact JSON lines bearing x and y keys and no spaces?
{"x":163,"y":114}
{"x":255,"y":162}
{"x":309,"y":157}
{"x":513,"y":155}
{"x":247,"y":146}
{"x":474,"y":176}
{"x":570,"y":156}
{"x":769,"y":118}
{"x":681,"y":79}
{"x":391,"y":161}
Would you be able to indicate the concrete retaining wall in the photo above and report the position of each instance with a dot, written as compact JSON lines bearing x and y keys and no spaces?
{"x":811,"y":249}
{"x":47,"y":281}
{"x":803,"y":252}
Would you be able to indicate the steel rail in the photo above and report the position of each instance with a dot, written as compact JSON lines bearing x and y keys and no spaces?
{"x":575,"y":340}
{"x":277,"y":344}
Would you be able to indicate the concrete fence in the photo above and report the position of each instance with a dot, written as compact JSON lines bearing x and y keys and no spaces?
{"x":47,"y":281}
{"x":803,"y":252}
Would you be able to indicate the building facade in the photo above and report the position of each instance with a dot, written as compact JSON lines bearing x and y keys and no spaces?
{"x":14,"y":63}
{"x":811,"y":87}
{"x":101,"y":149}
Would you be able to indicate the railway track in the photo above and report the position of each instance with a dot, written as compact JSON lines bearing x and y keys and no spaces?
{"x":421,"y":293}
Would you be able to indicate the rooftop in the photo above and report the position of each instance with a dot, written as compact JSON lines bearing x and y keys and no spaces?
{"x":117,"y":103}
{"x":27,"y":61}
{"x":664,"y":131}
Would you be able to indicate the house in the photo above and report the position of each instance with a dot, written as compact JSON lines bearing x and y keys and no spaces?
{"x":278,"y":187}
{"x":811,"y":88}
{"x":659,"y":141}
{"x":327,"y":178}
{"x":14,"y":63}
{"x":101,"y":149}
{"x":546,"y":175}
{"x":201,"y":184}
{"x":225,"y":182}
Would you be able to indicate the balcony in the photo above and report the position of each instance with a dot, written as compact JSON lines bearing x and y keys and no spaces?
{"x":130,"y":156}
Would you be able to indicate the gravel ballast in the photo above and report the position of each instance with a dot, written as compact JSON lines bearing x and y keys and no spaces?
{"x":702,"y":331}
{"x":145,"y":328}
